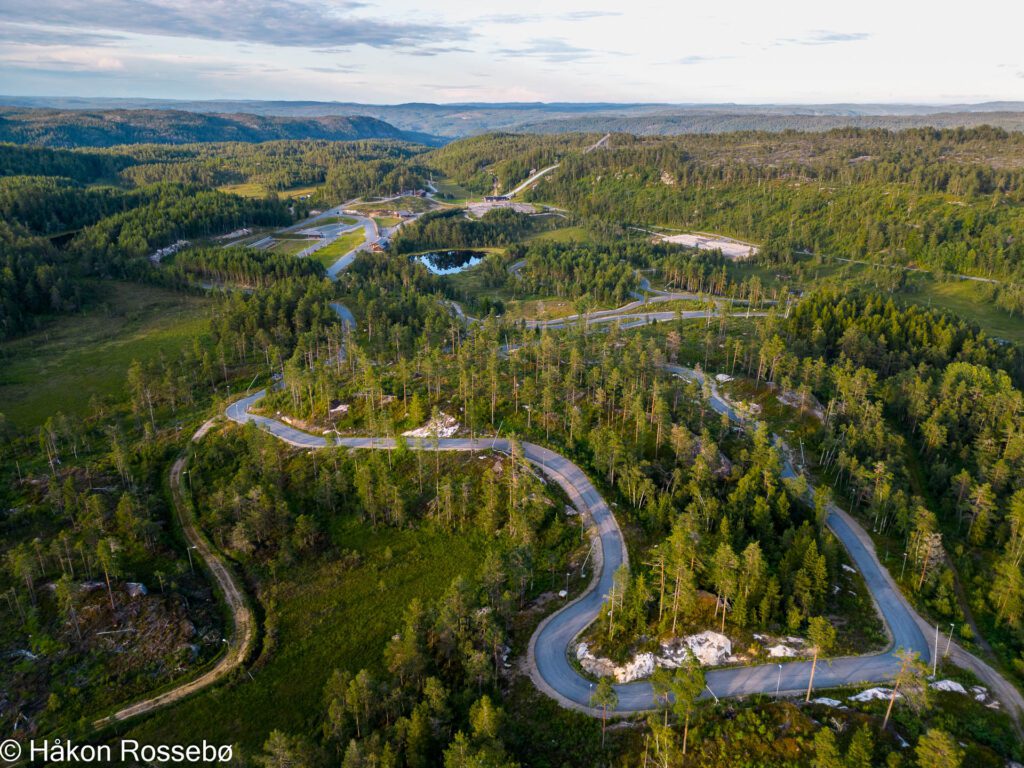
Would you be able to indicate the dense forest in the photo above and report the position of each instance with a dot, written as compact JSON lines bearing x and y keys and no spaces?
{"x":495,"y":163}
{"x":396,"y":591}
{"x":348,"y":168}
{"x":948,"y":200}
{"x":452,"y":229}
{"x":69,"y":215}
{"x":74,"y":128}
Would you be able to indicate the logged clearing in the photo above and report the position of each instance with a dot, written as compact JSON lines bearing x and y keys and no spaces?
{"x":328,"y":617}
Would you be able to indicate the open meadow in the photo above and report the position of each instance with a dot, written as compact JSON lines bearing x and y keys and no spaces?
{"x":75,"y":358}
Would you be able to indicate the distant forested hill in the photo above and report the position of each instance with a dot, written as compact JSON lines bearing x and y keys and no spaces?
{"x":471,"y":119}
{"x":105,"y":128}
{"x":717,"y":121}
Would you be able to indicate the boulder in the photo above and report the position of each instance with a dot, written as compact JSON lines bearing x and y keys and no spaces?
{"x":709,"y":648}
{"x":948,"y":685}
{"x":873,"y":694}
{"x":834,"y":703}
{"x":134,"y":589}
{"x":599,"y":667}
{"x":642,"y":665}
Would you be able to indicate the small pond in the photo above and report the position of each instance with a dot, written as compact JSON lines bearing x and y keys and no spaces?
{"x":450,"y":262}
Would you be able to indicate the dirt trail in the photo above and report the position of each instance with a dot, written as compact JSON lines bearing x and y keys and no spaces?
{"x":244,"y":630}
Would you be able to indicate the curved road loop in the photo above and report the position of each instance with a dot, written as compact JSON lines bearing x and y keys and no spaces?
{"x":550,"y":645}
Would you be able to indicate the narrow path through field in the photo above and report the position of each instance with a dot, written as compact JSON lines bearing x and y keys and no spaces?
{"x":243,"y":631}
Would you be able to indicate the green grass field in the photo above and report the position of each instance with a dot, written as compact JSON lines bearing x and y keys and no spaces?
{"x":331,"y":253}
{"x":335,"y":220}
{"x":386,"y":221}
{"x":565,"y":235}
{"x":969,"y":300}
{"x":327,"y":617}
{"x":76,"y":357}
{"x":453,"y":192}
{"x":414,"y":204}
{"x":254,"y":189}
{"x":291,"y":246}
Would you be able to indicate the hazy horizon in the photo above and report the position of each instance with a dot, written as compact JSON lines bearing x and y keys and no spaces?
{"x":353,"y":51}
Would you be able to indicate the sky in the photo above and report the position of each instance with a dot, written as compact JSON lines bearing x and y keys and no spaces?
{"x":393,"y":51}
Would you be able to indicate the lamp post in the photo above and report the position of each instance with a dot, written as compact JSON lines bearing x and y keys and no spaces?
{"x":778,"y":682}
{"x":949,"y":639}
{"x":190,"y":566}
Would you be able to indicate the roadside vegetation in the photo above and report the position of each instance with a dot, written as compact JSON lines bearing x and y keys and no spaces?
{"x":396,"y":591}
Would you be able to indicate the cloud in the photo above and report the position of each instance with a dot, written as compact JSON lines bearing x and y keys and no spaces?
{"x":289,"y":23}
{"x":26,"y":34}
{"x":687,"y":61}
{"x":553,"y":49}
{"x":587,"y":15}
{"x":335,"y":69}
{"x":537,"y":18}
{"x":436,"y":50}
{"x":450,"y":87}
{"x":67,"y":61}
{"x":824,"y":37}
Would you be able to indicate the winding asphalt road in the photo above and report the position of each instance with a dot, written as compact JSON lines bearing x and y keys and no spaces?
{"x":548,"y":651}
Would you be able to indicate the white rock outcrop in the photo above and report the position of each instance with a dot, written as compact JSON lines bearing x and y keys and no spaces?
{"x":834,"y":703}
{"x":642,"y":665}
{"x":873,"y":694}
{"x":595,"y":665}
{"x":442,"y":425}
{"x":948,"y":685}
{"x":709,"y":648}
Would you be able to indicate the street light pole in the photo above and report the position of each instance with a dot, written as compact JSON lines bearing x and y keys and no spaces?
{"x":778,"y":682}
{"x":949,"y":639}
{"x":190,"y":566}
{"x":935,"y":656}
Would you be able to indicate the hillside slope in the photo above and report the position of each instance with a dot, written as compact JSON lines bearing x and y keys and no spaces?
{"x":105,"y":128}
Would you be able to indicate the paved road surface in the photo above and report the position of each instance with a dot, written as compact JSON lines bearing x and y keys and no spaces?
{"x":550,"y":666}
{"x":631,"y":320}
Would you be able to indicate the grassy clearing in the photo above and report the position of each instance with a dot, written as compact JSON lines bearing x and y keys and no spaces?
{"x":78,"y":357}
{"x":335,"y":220}
{"x":386,"y":221}
{"x":410,"y":203}
{"x":255,"y":189}
{"x":291,"y":246}
{"x":326,"y":618}
{"x":451,"y":192}
{"x":970,"y":300}
{"x":539,"y":309}
{"x":564,"y":235}
{"x":331,"y":253}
